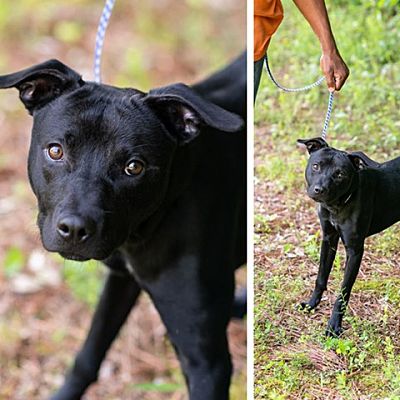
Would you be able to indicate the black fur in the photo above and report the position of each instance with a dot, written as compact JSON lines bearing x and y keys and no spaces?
{"x":175,"y":227}
{"x":357,"y":197}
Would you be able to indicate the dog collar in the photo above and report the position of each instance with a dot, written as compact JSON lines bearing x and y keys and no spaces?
{"x":348,"y":199}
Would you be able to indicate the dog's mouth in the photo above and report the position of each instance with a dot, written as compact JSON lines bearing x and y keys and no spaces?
{"x":80,"y":253}
{"x":74,"y":247}
{"x":74,"y":257}
{"x":316,"y":198}
{"x":328,"y":198}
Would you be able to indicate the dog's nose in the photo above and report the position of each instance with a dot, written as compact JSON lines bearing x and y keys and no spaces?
{"x":318,"y":190}
{"x":75,"y":229}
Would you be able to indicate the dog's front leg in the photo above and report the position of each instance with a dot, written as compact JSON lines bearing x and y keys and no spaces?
{"x":118,"y":297}
{"x":196,"y":307}
{"x":329,"y":244}
{"x":354,"y":255}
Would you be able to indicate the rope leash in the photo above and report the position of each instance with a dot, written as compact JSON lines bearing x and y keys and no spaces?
{"x":101,"y":32}
{"x":327,"y":116}
{"x":303,"y":89}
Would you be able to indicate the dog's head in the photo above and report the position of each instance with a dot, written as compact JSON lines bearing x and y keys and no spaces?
{"x":330,"y":173}
{"x":100,"y":157}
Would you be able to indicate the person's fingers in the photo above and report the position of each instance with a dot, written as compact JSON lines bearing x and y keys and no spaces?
{"x":330,"y":80}
{"x":339,"y":81}
{"x":341,"y":77}
{"x":335,"y":71}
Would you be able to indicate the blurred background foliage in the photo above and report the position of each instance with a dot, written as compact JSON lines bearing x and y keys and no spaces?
{"x":293,"y":358}
{"x":46,"y":302}
{"x":368,"y":34}
{"x":144,"y":40}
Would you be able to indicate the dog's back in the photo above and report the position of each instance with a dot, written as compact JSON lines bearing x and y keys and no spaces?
{"x":227,"y":87}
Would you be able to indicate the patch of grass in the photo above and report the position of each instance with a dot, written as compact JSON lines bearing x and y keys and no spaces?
{"x":14,"y":261}
{"x":261,"y":223}
{"x":157,"y":387}
{"x":238,"y":389}
{"x":84,"y":279}
{"x":283,"y":171}
{"x":388,"y":241}
{"x":312,"y":246}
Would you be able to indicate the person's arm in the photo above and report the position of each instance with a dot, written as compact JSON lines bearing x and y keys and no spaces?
{"x":332,"y":64}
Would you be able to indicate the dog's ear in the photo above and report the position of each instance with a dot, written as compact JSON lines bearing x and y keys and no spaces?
{"x":313,"y":144}
{"x":361,"y":160}
{"x":184,"y":112}
{"x":357,"y":162}
{"x":41,"y":83}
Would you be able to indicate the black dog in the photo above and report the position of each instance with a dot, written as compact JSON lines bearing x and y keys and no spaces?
{"x":154,"y":184}
{"x":357,"y":197}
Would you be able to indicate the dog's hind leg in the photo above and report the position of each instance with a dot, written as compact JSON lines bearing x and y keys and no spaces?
{"x":196,"y":310}
{"x":118,"y":297}
{"x":330,"y":239}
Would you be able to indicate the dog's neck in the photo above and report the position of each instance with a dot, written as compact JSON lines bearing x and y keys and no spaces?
{"x":337,"y":205}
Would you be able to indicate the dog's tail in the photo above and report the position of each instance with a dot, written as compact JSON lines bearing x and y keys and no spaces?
{"x":227,"y":87}
{"x":239,"y":308}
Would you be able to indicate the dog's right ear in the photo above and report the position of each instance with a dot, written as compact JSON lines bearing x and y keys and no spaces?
{"x":40,"y":84}
{"x":313,"y":144}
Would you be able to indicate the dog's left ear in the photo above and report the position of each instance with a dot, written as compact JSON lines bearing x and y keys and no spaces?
{"x":313,"y":144}
{"x":361,"y":161}
{"x":184,"y":112}
{"x":357,"y":162}
{"x":40,"y":84}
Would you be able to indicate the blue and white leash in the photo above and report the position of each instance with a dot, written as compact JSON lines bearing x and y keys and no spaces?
{"x":302,"y":89}
{"x":101,"y":32}
{"x":327,"y":116}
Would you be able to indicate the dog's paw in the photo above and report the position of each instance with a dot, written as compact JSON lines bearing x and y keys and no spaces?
{"x":333,"y":330}
{"x":306,"y":306}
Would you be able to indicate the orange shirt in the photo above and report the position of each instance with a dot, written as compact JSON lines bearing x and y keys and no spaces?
{"x":268,"y":15}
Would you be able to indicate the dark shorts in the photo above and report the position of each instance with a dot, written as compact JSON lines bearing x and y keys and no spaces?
{"x":258,"y":67}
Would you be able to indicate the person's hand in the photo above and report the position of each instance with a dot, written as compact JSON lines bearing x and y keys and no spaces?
{"x":334,"y":69}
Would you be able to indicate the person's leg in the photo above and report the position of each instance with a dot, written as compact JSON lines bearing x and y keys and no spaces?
{"x":258,"y":67}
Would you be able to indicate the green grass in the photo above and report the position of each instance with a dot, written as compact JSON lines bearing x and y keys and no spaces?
{"x":293,"y":359}
{"x":84,"y":279}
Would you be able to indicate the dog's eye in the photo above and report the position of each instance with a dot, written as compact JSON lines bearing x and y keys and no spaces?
{"x":134,"y":167}
{"x":339,"y":174}
{"x":55,"y":152}
{"x":315,"y":167}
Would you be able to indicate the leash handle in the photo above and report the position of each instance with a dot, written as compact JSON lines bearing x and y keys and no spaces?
{"x":101,"y":32}
{"x":303,"y":89}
